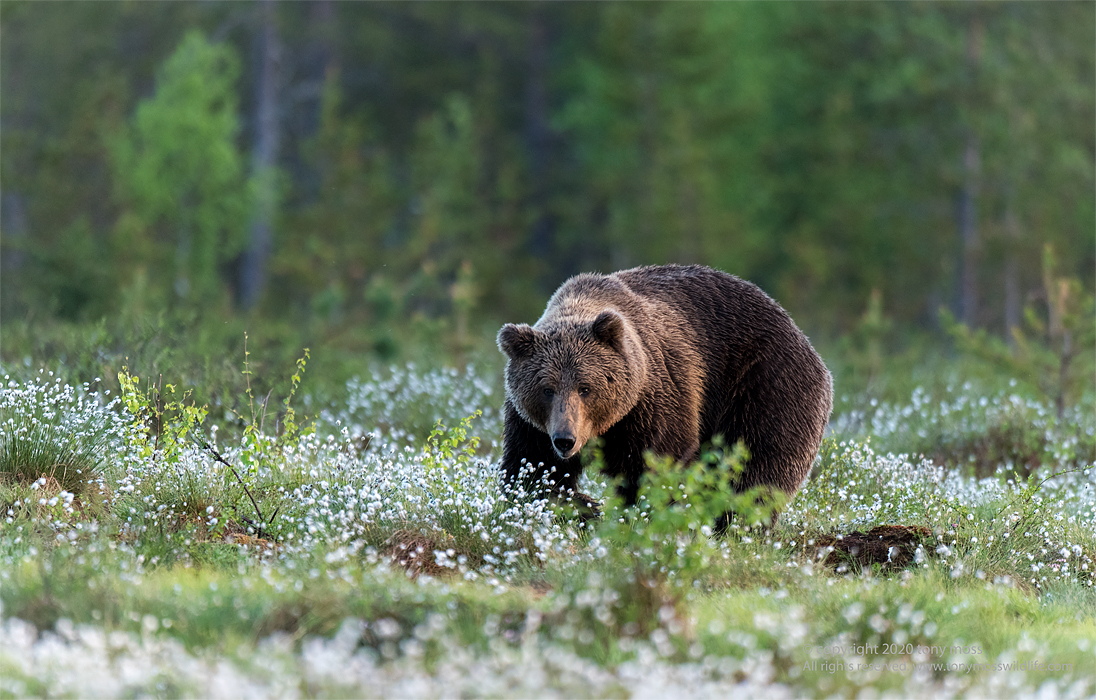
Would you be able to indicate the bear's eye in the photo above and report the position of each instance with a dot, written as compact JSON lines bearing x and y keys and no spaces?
{"x":584,"y":391}
{"x":548,"y":392}
{"x":609,"y":378}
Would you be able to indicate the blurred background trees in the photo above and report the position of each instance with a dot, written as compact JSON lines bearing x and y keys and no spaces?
{"x":176,"y":168}
{"x":366,"y":174}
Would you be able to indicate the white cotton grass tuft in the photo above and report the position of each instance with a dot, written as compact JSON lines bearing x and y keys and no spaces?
{"x":52,"y":430}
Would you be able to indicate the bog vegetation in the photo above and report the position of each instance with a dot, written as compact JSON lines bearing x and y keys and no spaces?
{"x":285,"y":544}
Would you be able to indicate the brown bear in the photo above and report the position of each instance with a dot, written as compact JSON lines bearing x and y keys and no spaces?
{"x":660,"y":359}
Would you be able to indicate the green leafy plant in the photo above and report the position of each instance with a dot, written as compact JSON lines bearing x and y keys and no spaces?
{"x":680,"y":508}
{"x":452,"y":476}
{"x":1054,"y":351}
{"x":259,"y":450}
{"x":164,"y":422}
{"x":451,"y":446}
{"x":162,"y":417}
{"x":167,"y":423}
{"x":663,"y":548}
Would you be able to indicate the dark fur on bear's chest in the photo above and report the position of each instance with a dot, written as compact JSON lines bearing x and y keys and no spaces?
{"x":660,"y":359}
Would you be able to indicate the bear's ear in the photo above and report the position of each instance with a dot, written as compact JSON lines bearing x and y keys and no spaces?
{"x":608,"y":328}
{"x":516,"y":340}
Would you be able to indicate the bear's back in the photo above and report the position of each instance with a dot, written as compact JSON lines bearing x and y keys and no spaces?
{"x":692,"y":303}
{"x":722,"y":310}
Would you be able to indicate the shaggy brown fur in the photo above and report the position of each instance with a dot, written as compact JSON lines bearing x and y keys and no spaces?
{"x":661,"y":359}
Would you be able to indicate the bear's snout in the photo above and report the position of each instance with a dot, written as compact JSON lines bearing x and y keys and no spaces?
{"x":567,"y":427}
{"x":563,"y":442}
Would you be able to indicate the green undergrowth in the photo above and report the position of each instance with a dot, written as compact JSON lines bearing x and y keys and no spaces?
{"x":302,"y":537}
{"x":798,"y":622}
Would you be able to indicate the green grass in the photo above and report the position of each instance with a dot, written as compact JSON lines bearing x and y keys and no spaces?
{"x":154,"y":561}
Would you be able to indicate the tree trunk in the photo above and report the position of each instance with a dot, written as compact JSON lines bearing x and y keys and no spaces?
{"x":1012,"y":274}
{"x":320,"y":61}
{"x":968,"y":233}
{"x":13,"y":223}
{"x":537,"y":132}
{"x":968,"y":199}
{"x":264,"y":158}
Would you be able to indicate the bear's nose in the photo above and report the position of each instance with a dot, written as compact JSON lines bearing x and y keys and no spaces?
{"x":563,"y":443}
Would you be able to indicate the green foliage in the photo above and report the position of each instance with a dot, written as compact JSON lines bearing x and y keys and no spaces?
{"x":1054,"y":352}
{"x":664,"y":547}
{"x":862,"y":350}
{"x":451,"y":445}
{"x":263,"y":456}
{"x":162,"y":417}
{"x":423,"y":204}
{"x":164,"y":422}
{"x":290,"y":429}
{"x":178,"y":168}
{"x":261,"y":449}
{"x":674,"y":500}
{"x":167,"y":426}
{"x":449,"y":460}
{"x":410,"y":561}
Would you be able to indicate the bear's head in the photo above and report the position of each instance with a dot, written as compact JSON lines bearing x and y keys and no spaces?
{"x":573,"y":378}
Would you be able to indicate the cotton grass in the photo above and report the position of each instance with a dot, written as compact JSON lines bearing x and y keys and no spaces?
{"x":175,"y":589}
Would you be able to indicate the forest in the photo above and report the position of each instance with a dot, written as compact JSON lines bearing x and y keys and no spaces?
{"x":353,"y":170}
{"x":254,"y":257}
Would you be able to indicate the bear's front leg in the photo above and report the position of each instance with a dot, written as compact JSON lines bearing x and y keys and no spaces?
{"x":623,"y":455}
{"x":626,"y":444}
{"x":543,"y":469}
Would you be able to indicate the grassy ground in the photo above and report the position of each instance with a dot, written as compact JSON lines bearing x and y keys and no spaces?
{"x":151,"y":549}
